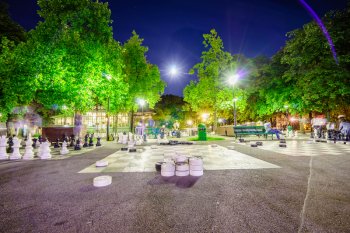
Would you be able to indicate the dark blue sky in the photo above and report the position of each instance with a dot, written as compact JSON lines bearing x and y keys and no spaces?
{"x":173,"y":29}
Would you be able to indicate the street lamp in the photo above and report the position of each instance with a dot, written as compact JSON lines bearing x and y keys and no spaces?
{"x":232,"y":81}
{"x":142,"y":102}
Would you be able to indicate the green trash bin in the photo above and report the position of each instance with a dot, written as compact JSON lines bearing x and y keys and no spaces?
{"x":202,"y":132}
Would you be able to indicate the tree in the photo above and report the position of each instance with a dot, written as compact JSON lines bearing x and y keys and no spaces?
{"x":142,"y":77}
{"x":321,"y":84}
{"x":170,"y":109}
{"x":211,"y":93}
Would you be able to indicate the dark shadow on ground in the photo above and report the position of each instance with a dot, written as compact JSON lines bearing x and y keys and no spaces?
{"x":181,"y":182}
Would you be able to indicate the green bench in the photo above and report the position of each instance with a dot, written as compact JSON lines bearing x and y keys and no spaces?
{"x":240,"y":131}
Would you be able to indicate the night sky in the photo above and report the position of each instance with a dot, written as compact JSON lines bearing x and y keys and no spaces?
{"x":173,"y":30}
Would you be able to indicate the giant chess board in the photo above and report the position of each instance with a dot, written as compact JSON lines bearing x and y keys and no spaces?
{"x":214,"y":158}
{"x":306,"y":148}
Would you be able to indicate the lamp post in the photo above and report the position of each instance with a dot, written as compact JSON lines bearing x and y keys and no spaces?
{"x":286,"y":107}
{"x":142,"y":103}
{"x":232,"y":81}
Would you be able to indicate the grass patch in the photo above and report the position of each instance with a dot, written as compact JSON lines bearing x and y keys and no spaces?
{"x":208,"y":139}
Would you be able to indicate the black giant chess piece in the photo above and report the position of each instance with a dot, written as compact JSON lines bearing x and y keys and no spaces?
{"x":77,"y":145}
{"x":57,"y":144}
{"x":98,"y":141}
{"x":86,"y":141}
{"x":34,"y":142}
{"x":10,"y":142}
{"x":72,"y":140}
{"x":91,"y":141}
{"x":40,"y":139}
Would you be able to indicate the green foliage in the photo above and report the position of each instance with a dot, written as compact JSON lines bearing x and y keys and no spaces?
{"x":142,"y":77}
{"x":212,"y":93}
{"x":319,"y":83}
{"x":66,"y":60}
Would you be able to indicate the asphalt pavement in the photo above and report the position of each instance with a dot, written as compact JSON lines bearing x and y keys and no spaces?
{"x":306,"y":194}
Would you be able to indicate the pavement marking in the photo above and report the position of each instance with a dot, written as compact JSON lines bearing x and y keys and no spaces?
{"x":303,"y":148}
{"x":214,"y":158}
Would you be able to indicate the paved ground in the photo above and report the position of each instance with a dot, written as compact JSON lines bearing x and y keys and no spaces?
{"x":302,"y":194}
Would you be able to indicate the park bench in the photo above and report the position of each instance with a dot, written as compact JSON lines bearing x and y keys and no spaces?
{"x":240,"y":131}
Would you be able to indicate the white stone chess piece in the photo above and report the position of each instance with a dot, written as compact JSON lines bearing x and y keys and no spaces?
{"x":16,"y":145}
{"x":125,"y":139}
{"x":45,"y":150}
{"x":28,"y":153}
{"x":120,"y":138}
{"x":64,"y":149}
{"x":3,"y":154}
{"x":131,"y":138}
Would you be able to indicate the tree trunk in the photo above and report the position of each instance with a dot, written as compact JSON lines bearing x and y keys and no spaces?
{"x":215,"y":121}
{"x":131,"y":114}
{"x":116,"y":124}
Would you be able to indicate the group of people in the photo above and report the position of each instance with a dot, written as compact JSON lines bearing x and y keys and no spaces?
{"x":317,"y":124}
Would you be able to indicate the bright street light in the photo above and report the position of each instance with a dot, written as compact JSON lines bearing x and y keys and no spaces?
{"x":173,"y":71}
{"x":189,"y":122}
{"x":142,"y":102}
{"x":232,"y":79}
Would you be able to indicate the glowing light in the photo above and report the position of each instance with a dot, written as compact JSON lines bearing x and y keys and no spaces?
{"x":205,"y":116}
{"x":286,"y":106}
{"x":189,"y":122}
{"x":232,"y":79}
{"x":323,"y":28}
{"x":142,"y":102}
{"x":64,"y":107}
{"x":292,"y":119}
{"x":235,"y":100}
{"x":220,"y":120}
{"x":173,"y":71}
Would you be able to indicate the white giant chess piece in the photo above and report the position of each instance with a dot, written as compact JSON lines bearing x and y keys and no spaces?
{"x":28,"y":153}
{"x":16,"y":145}
{"x":45,"y":150}
{"x":120,"y":138}
{"x":131,"y":138}
{"x":125,"y":139}
{"x":3,"y":154}
{"x":64,"y":149}
{"x":138,"y":140}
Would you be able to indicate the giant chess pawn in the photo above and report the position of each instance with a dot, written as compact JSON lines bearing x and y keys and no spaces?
{"x":16,"y":145}
{"x":10,"y":142}
{"x":72,"y":141}
{"x":28,"y":153}
{"x":77,"y":145}
{"x":91,"y":142}
{"x":57,"y":144}
{"x":99,"y":141}
{"x":3,"y":154}
{"x":45,"y":150}
{"x":64,"y":149}
{"x":86,"y":144}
